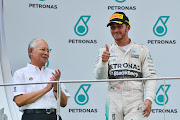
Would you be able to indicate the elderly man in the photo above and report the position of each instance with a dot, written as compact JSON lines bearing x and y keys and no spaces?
{"x":38,"y":102}
{"x":126,"y":59}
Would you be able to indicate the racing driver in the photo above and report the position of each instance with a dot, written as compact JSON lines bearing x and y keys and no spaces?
{"x":122,"y":60}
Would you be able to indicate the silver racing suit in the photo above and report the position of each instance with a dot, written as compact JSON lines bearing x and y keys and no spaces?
{"x":124,"y":97}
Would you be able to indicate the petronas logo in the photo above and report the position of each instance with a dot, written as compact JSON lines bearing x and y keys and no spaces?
{"x":161,"y":95}
{"x":160,"y":28}
{"x":81,"y":28}
{"x":120,"y":1}
{"x":47,"y":64}
{"x":81,"y":97}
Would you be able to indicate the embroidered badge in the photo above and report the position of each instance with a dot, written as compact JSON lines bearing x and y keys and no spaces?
{"x":15,"y":89}
{"x":135,"y":56}
{"x":31,"y":78}
{"x":134,"y":50}
{"x":118,"y":88}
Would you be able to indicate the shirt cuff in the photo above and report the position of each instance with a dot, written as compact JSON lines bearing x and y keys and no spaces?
{"x":104,"y":63}
{"x":18,"y":93}
{"x":149,"y":98}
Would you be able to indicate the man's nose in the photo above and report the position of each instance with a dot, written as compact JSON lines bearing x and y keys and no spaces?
{"x":46,"y":52}
{"x":115,"y":29}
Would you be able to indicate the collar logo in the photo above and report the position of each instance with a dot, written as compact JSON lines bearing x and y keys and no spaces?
{"x":30,"y":78}
{"x":81,"y":97}
{"x":120,"y":1}
{"x":134,"y":50}
{"x":81,"y":28}
{"x":160,"y":28}
{"x":161,"y":95}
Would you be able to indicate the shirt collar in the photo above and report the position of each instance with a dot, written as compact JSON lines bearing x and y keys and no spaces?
{"x":126,"y":45}
{"x":33,"y":67}
{"x":129,"y":48}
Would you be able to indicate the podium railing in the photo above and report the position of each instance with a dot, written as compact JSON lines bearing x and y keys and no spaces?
{"x":83,"y":81}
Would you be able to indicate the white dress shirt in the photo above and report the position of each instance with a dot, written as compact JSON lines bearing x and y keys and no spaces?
{"x":32,"y":73}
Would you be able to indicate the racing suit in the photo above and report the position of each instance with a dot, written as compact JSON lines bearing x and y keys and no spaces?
{"x":124,"y":97}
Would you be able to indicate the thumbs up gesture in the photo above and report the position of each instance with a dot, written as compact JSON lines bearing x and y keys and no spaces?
{"x":106,"y":54}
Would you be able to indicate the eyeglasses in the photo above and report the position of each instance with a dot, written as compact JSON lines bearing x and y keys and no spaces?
{"x":45,"y":49}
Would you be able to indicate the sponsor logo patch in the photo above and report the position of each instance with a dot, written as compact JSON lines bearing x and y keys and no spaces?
{"x":135,"y":56}
{"x":30,"y":78}
{"x":15,"y":89}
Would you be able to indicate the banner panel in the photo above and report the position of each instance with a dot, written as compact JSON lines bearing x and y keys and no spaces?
{"x":75,"y":30}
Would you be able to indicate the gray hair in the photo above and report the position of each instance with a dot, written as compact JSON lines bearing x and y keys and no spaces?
{"x":33,"y":44}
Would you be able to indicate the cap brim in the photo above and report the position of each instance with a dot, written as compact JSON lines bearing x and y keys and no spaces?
{"x":118,"y":22}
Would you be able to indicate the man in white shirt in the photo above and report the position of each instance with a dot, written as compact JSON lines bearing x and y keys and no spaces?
{"x":126,"y":59}
{"x":38,"y":102}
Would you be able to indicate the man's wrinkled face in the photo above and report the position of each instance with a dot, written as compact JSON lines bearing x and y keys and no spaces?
{"x":40,"y":54}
